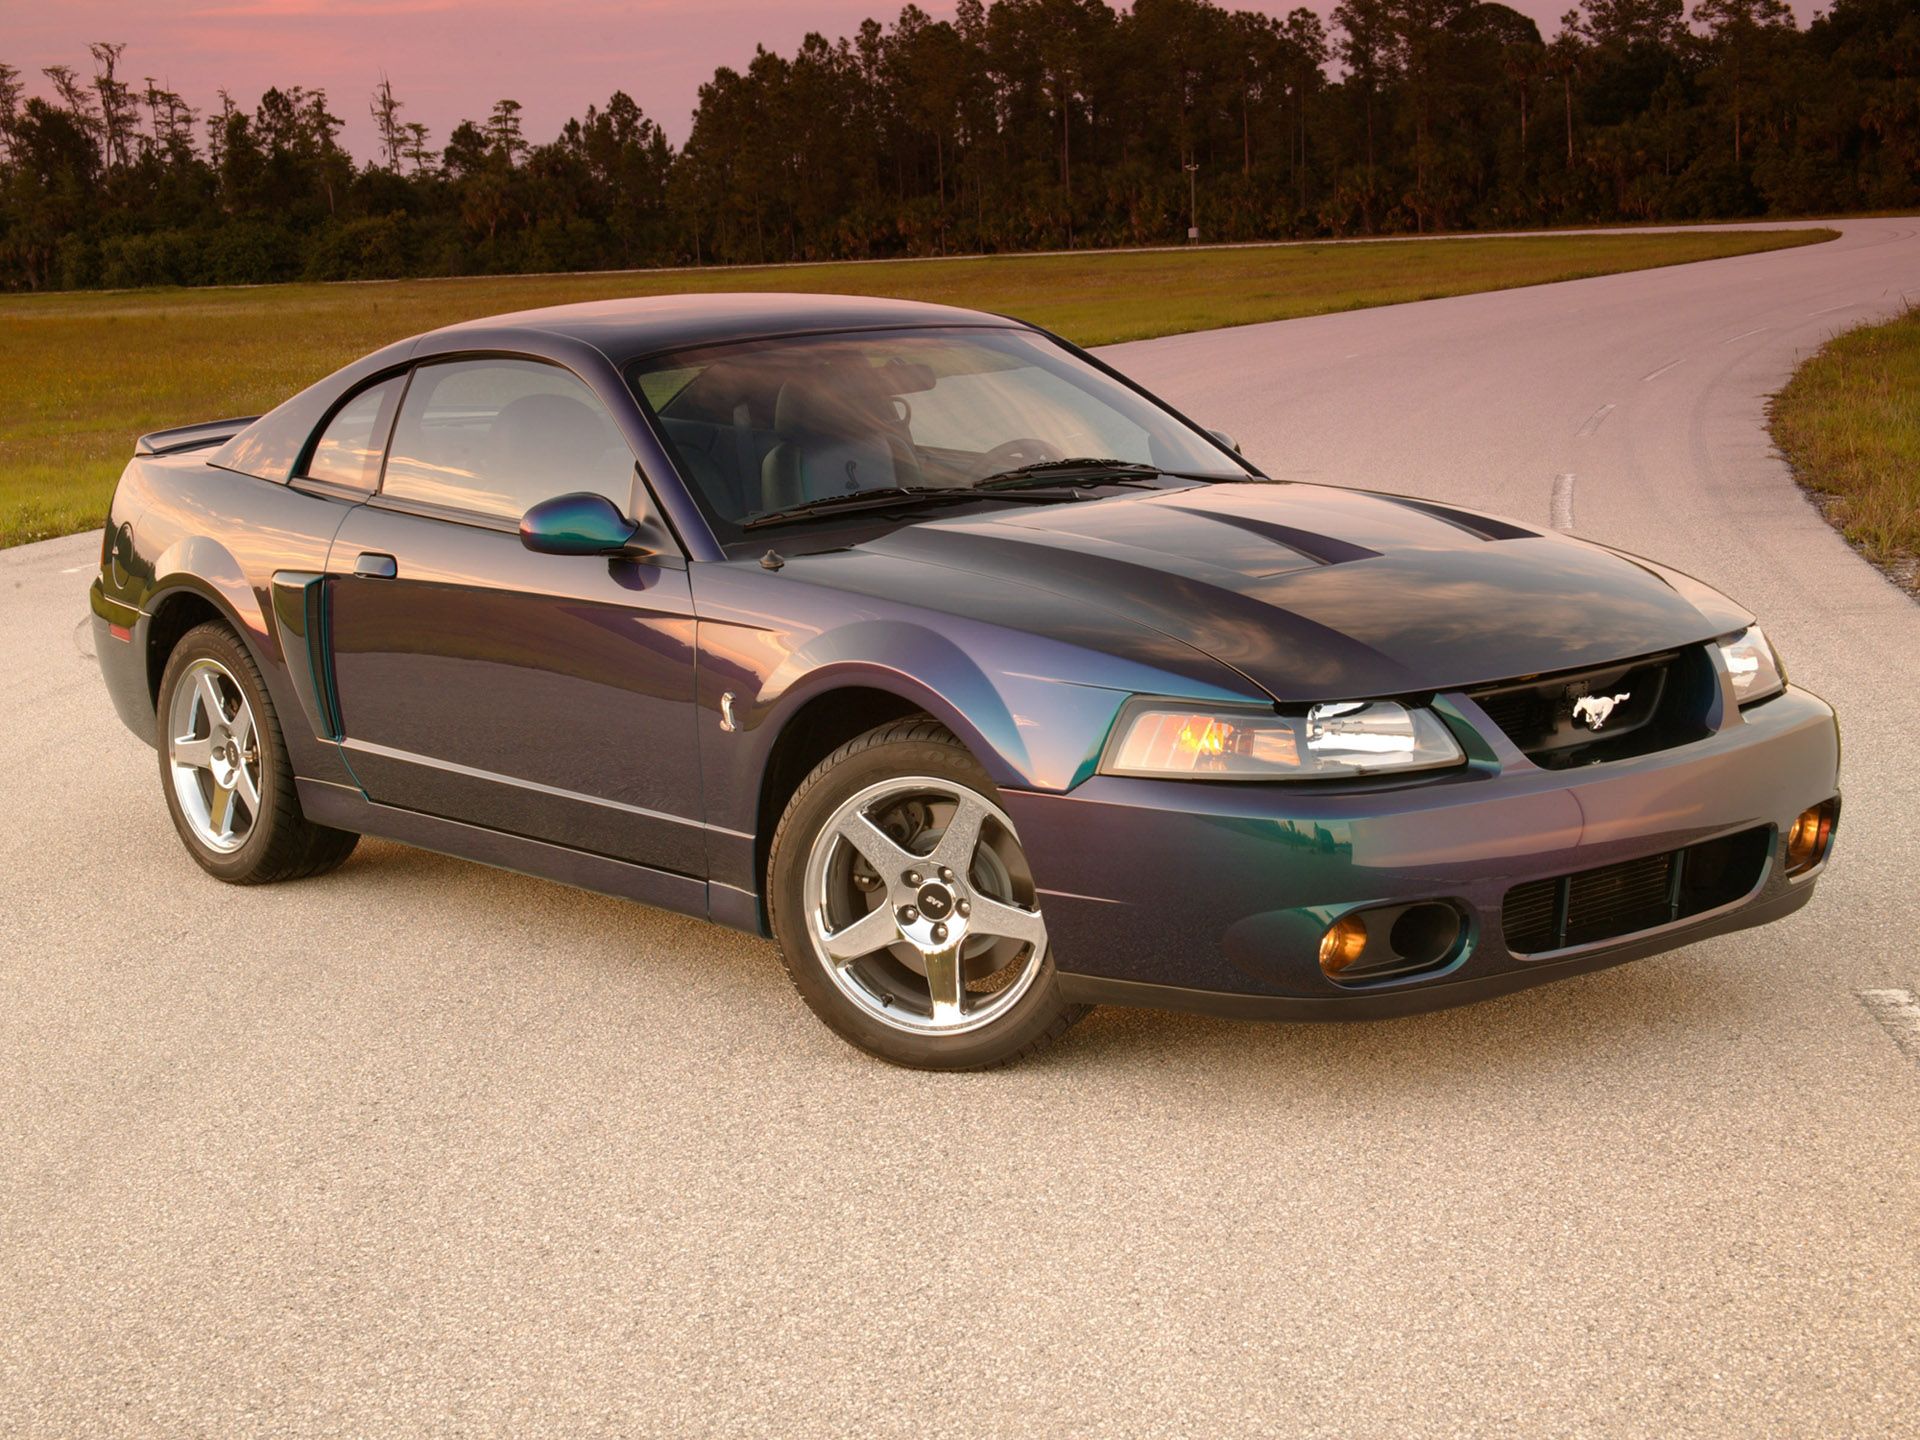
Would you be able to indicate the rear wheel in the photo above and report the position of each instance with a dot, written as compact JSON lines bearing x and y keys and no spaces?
{"x":224,"y":769}
{"x":905,"y":909}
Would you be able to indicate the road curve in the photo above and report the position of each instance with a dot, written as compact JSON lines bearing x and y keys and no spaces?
{"x":423,"y":1146}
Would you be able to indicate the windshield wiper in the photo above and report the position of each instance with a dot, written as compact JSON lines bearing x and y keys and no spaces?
{"x":887,"y":498}
{"x":1042,"y":474}
{"x":1101,"y":471}
{"x":1046,"y":471}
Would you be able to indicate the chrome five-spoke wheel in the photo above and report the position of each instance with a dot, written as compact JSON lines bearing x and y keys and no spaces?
{"x":213,"y":753}
{"x":223,"y":766}
{"x":920,"y":907}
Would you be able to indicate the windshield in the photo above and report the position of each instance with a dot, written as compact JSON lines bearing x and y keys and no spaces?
{"x":764,"y":426}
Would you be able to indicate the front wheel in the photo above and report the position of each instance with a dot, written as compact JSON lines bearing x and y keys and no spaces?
{"x":905,"y":910}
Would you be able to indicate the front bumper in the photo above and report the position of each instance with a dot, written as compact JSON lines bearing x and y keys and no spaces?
{"x":1214,"y":897}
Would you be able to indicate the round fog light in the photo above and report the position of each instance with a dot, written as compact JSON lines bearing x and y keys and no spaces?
{"x":1344,"y":943}
{"x":1807,"y":841}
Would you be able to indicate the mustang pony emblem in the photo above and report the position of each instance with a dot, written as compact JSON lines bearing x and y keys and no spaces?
{"x":1594,"y":709}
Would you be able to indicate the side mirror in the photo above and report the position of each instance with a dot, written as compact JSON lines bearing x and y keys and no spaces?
{"x":1225,"y":439}
{"x":578,"y":524}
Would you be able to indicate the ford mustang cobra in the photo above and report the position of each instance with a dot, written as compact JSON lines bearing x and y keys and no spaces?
{"x":986,"y":684}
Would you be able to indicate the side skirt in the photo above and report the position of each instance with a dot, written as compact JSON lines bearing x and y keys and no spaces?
{"x":346,"y":808}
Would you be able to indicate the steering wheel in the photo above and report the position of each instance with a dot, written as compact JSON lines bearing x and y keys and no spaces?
{"x":1012,"y":454}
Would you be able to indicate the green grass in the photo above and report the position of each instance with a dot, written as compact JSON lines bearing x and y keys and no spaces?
{"x":82,"y":374}
{"x":1849,"y":421}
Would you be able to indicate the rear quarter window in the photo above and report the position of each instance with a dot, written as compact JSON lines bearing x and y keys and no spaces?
{"x":350,"y":448}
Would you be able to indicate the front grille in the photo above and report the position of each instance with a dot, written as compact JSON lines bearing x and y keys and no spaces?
{"x":1617,"y":900}
{"x":1643,"y":705}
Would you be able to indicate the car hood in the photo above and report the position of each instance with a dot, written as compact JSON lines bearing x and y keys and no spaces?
{"x":1315,"y":593}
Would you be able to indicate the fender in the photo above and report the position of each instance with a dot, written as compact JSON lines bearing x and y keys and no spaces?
{"x":994,"y":714}
{"x":124,"y":639}
{"x":209,"y":569}
{"x":1727,"y":614}
{"x":198,"y":566}
{"x":915,"y":663}
{"x":1034,"y":708}
{"x":158,"y":549}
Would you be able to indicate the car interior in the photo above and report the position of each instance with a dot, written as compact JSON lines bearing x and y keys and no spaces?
{"x":762,"y":428}
{"x":757,"y":438}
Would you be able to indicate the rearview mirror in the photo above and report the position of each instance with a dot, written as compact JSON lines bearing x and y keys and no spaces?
{"x":577,"y":524}
{"x":1225,"y":439}
{"x":907,"y":377}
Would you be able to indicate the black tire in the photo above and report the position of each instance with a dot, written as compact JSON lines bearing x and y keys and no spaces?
{"x":280,"y":842}
{"x":916,"y":747}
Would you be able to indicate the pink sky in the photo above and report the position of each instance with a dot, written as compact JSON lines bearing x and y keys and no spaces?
{"x":451,"y":59}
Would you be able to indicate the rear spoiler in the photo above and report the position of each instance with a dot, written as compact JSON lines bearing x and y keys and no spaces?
{"x":191,"y":437}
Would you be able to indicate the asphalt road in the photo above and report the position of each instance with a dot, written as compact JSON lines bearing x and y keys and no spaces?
{"x":427,"y":1147}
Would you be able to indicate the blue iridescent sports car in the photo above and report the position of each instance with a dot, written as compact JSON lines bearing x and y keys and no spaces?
{"x":986,"y":684}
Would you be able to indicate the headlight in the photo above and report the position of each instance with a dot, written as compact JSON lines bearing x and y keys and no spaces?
{"x":1754,"y":665}
{"x":1166,"y":738}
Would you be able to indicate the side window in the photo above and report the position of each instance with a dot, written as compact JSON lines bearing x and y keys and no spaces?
{"x":500,"y":436}
{"x":348,"y":451}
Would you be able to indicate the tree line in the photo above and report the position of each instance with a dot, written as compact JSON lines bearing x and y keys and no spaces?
{"x":1018,"y":124}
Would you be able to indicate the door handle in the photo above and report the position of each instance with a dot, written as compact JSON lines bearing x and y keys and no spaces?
{"x":375,"y":566}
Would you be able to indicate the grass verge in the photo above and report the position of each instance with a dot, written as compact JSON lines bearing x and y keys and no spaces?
{"x":1849,"y":423}
{"x":82,"y":374}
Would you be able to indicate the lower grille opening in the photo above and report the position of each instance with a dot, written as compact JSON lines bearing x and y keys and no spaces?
{"x":1617,"y":900}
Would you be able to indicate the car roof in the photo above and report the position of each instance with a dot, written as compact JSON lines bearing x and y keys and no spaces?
{"x":618,"y":330}
{"x":624,"y":329}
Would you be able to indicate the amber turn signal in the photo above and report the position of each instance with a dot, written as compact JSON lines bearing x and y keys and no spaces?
{"x":1809,"y":838}
{"x":1343,"y":944}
